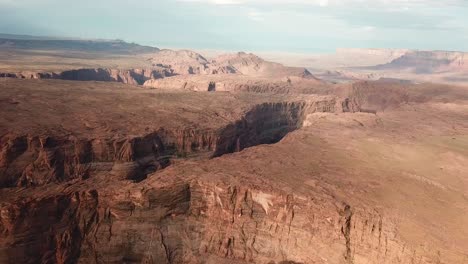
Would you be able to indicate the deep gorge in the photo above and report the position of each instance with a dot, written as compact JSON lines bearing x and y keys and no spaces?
{"x":30,"y":160}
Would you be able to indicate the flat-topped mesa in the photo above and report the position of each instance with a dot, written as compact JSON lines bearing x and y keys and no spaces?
{"x":383,"y":53}
{"x":91,"y":46}
{"x":429,"y":62}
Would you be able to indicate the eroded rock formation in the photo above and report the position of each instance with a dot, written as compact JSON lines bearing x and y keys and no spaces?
{"x":31,"y":160}
{"x":133,"y":76}
{"x":195,"y":222}
{"x":168,"y":63}
{"x":239,"y":83}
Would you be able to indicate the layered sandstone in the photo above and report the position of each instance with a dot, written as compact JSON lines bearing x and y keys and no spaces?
{"x":185,"y":62}
{"x":133,"y":76}
{"x":156,"y":176}
{"x":196,"y":221}
{"x":240,"y":83}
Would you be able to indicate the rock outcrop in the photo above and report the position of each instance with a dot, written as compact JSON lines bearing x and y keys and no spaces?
{"x":182,"y":62}
{"x":188,"y":62}
{"x":133,"y":76}
{"x":239,"y":83}
{"x":252,"y":65}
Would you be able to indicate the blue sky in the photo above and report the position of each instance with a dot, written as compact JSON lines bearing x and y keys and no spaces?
{"x":250,"y":25}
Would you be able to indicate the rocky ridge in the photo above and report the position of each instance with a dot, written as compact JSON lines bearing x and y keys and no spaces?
{"x":167,"y":63}
{"x":239,"y":83}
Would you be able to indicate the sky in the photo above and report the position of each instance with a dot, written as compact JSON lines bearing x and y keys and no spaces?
{"x":248,"y":25}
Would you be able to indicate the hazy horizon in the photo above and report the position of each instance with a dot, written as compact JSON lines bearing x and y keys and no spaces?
{"x":296,"y":26}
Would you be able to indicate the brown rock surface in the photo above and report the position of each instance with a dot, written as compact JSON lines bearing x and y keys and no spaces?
{"x":240,"y":83}
{"x":185,"y":62}
{"x":252,"y":65}
{"x":133,"y":76}
{"x":181,"y":61}
{"x":87,"y":185}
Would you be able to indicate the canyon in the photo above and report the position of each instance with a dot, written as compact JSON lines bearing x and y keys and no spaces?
{"x":55,"y":155}
{"x":154,"y":182}
{"x":146,"y":155}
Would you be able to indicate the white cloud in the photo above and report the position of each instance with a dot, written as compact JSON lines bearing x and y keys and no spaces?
{"x":7,"y":2}
{"x":256,"y":16}
{"x":217,"y":2}
{"x":367,"y":28}
{"x":399,"y":3}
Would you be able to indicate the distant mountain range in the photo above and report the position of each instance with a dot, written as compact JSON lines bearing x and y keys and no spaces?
{"x":24,"y":42}
{"x":347,"y":64}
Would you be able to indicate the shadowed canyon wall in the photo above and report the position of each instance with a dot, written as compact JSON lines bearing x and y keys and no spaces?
{"x":132,"y":76}
{"x":29,"y":160}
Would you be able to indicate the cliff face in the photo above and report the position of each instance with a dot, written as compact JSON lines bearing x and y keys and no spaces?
{"x":258,"y":126}
{"x":239,"y":83}
{"x":177,"y":222}
{"x":133,"y":76}
{"x":195,"y":222}
{"x":29,"y":160}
